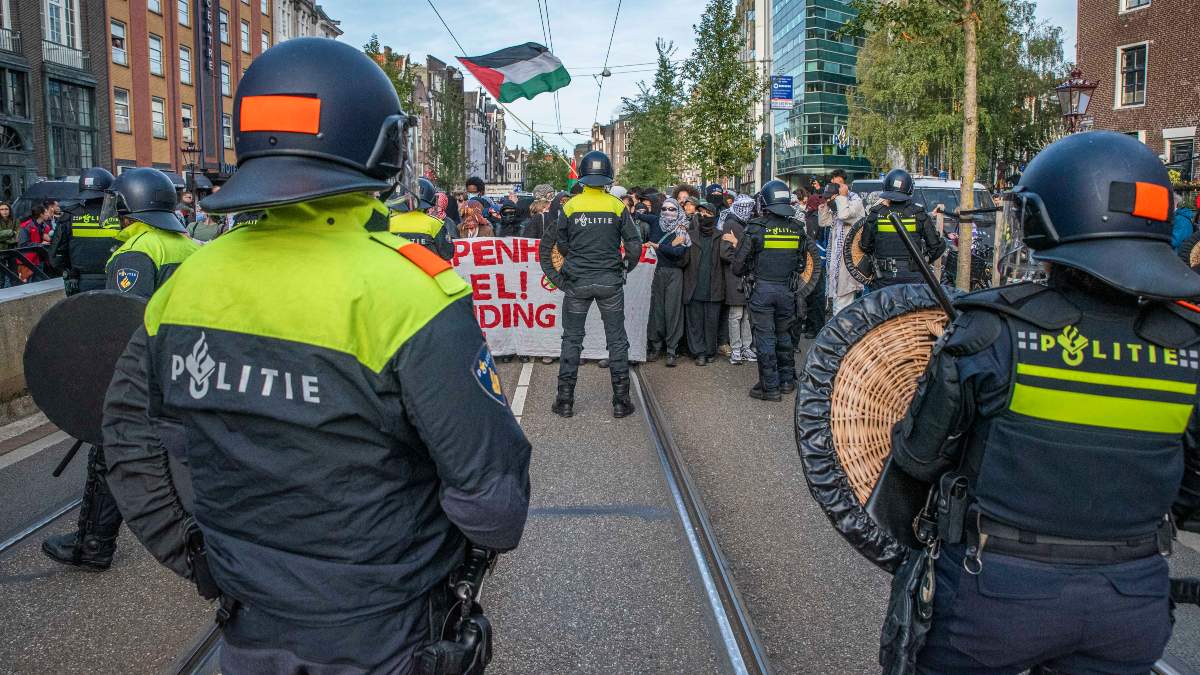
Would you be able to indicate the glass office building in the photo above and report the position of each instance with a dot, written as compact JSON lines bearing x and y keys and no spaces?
{"x":812,"y":137}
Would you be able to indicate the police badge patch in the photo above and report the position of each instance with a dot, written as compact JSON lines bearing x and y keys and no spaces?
{"x":487,"y":376}
{"x":126,"y":278}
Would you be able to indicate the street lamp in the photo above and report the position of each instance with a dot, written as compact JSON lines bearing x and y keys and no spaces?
{"x":1074,"y":95}
{"x":191,"y":154}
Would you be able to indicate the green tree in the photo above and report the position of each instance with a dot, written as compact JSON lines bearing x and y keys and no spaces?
{"x":919,"y":90}
{"x":448,"y":143}
{"x":656,"y":126}
{"x":725,"y":93}
{"x":546,"y":164}
{"x":397,"y":67}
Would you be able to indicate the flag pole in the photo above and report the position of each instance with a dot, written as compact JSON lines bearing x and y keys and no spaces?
{"x":530,"y":128}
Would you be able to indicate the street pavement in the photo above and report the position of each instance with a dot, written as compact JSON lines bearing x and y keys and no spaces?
{"x":602,"y":581}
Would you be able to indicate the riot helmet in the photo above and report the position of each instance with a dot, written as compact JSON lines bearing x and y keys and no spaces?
{"x":94,"y":183}
{"x":777,"y":198}
{"x":300,"y":135}
{"x":426,"y":194}
{"x":897,"y":186}
{"x":148,"y":196}
{"x":595,"y":169}
{"x":1100,"y":202}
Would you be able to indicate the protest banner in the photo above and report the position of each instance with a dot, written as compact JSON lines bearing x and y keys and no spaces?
{"x":519,"y":309}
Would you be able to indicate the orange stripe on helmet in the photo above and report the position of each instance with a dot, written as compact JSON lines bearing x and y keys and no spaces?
{"x":287,"y":114}
{"x":427,"y":260}
{"x":1151,"y":201}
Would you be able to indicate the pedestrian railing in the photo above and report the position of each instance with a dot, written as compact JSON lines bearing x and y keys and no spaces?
{"x":14,"y":260}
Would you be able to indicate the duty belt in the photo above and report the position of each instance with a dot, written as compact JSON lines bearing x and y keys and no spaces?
{"x":984,"y":533}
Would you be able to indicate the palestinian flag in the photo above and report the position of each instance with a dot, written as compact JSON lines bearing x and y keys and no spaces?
{"x":517,"y":72}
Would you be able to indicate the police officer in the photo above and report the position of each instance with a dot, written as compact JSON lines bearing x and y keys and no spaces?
{"x":152,"y":247}
{"x":885,"y":251}
{"x":85,"y":237}
{"x":1067,"y":412}
{"x":410,"y":220}
{"x":592,"y":226}
{"x":771,"y":255}
{"x":336,"y":485}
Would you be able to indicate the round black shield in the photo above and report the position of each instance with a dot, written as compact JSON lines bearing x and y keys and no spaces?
{"x":72,"y":353}
{"x":812,"y":274}
{"x":853,"y":256}
{"x":859,"y":377}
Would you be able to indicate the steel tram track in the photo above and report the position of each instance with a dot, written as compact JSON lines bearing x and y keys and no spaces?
{"x":37,"y":525}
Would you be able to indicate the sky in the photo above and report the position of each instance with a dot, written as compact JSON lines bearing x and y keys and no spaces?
{"x":580,"y":34}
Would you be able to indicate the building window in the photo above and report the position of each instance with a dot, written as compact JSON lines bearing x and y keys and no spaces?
{"x":185,"y":65}
{"x":156,"y":55}
{"x":72,"y":128}
{"x":158,"y":117}
{"x":15,"y":93}
{"x":1180,"y":155}
{"x":1130,"y":5}
{"x":223,"y":21}
{"x":121,"y":110}
{"x":185,"y":12}
{"x":1132,"y":75}
{"x":226,"y":86}
{"x":246,"y":36}
{"x":266,"y":6}
{"x":62,"y":22}
{"x":266,"y":40}
{"x":154,"y":6}
{"x":119,"y":55}
{"x":186,"y":117}
{"x":227,"y":131}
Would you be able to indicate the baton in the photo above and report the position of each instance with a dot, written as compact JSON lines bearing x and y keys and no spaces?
{"x":62,"y":466}
{"x":939,"y":293}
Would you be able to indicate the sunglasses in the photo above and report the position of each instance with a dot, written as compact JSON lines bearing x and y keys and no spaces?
{"x":670,"y":209}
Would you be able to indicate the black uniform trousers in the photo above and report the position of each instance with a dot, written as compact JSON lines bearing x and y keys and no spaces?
{"x":1017,"y":613}
{"x":772,"y":310}
{"x":577,"y":301}
{"x":98,"y":512}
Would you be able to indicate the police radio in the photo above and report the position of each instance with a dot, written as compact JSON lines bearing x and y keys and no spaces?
{"x":466,"y":644}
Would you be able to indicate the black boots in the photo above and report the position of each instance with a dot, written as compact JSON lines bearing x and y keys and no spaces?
{"x":787,"y":387}
{"x":757,"y":392}
{"x":564,"y":402}
{"x":91,"y":547}
{"x":622,"y":404}
{"x":93,"y":553}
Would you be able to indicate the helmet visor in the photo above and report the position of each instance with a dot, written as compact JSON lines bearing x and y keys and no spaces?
{"x":394,"y":156}
{"x":1027,"y":219}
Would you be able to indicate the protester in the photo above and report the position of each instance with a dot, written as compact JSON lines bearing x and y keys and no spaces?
{"x":1182,"y":227}
{"x":473,"y":224}
{"x":35,"y":231}
{"x":539,"y":219}
{"x":840,"y":286}
{"x":8,"y":226}
{"x":703,"y":285}
{"x":511,"y":224}
{"x":733,"y":226}
{"x":670,"y":238}
{"x":476,"y":190}
{"x":186,"y":208}
{"x":681,"y":192}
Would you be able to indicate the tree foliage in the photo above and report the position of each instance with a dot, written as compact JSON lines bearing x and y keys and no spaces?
{"x":725,"y":93}
{"x":656,"y":126}
{"x":545,"y":165}
{"x":910,"y":97}
{"x":448,"y":143}
{"x":396,"y":66}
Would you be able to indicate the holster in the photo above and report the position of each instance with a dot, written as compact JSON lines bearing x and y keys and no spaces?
{"x":952,"y":505}
{"x":465,"y":647}
{"x":909,"y":613}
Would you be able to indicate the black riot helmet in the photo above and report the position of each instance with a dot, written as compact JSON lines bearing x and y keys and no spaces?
{"x":94,"y":183}
{"x":1101,"y":202}
{"x":426,"y":194}
{"x":897,"y":186}
{"x":147,"y":195}
{"x":777,"y":198}
{"x":595,"y":169}
{"x":314,"y":118}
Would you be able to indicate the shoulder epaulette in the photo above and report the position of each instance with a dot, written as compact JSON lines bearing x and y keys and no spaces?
{"x":1039,"y":305}
{"x":425,"y":260}
{"x":1169,"y":324}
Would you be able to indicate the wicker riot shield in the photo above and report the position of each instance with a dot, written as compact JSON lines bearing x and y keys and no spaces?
{"x":858,"y":380}
{"x":551,"y":260}
{"x":853,"y":256}
{"x":812,"y":274}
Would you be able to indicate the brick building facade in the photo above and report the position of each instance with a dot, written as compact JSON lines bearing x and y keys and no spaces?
{"x":1142,"y":54}
{"x":174,"y":66}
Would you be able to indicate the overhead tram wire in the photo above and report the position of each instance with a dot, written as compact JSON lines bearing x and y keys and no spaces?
{"x":504,"y":107}
{"x":550,"y":39}
{"x":600,"y":87}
